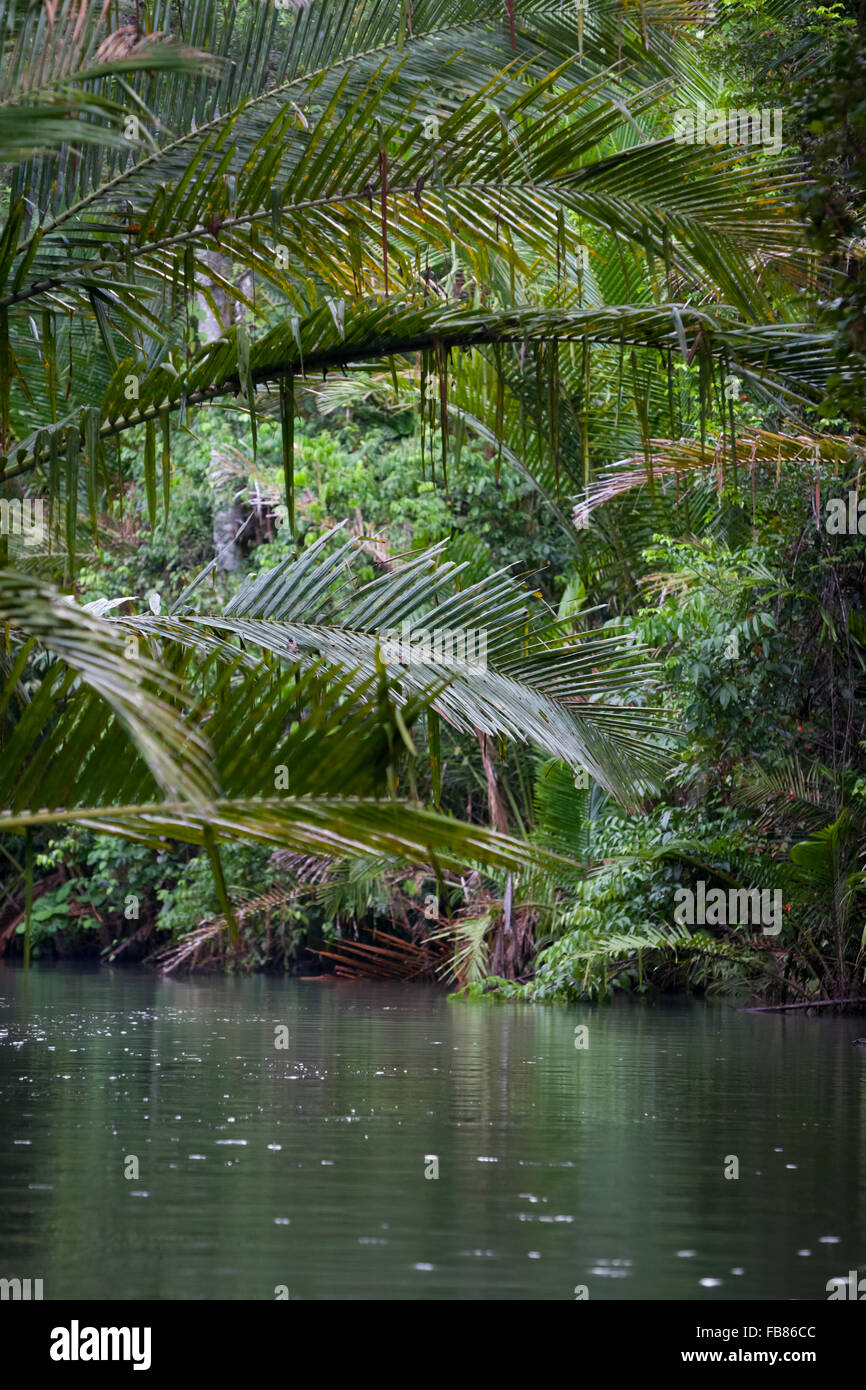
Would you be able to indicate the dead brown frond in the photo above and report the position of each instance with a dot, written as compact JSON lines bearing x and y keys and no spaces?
{"x":670,"y":458}
{"x":304,"y":868}
{"x":376,"y":549}
{"x":260,"y":904}
{"x":396,"y":959}
{"x":187,"y":948}
{"x":117,"y":45}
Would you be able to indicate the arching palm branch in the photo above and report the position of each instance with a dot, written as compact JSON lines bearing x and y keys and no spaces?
{"x":96,"y":734}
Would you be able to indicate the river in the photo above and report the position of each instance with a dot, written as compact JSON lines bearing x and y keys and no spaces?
{"x":214,"y":1138}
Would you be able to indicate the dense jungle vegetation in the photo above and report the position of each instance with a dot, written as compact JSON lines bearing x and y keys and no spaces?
{"x":325,"y":319}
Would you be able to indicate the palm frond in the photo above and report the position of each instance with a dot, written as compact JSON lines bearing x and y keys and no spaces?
{"x":583,"y":700}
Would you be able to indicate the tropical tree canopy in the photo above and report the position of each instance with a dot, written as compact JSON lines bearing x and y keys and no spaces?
{"x":565,"y":245}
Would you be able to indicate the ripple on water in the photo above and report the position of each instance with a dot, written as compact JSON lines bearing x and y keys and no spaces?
{"x":619,"y":1146}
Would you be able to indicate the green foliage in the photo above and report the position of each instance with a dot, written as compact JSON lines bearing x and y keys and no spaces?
{"x":191,"y":897}
{"x":809,"y":60}
{"x":622,"y":917}
{"x":434,"y":322}
{"x":727,"y":654}
{"x":85,"y":914}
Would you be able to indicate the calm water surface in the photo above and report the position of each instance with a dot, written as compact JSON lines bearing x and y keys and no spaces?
{"x":304,"y":1166}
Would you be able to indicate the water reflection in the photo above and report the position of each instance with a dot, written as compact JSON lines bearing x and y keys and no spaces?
{"x":281,"y":1132}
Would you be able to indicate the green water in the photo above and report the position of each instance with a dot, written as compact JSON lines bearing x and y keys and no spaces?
{"x":304,"y":1166}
